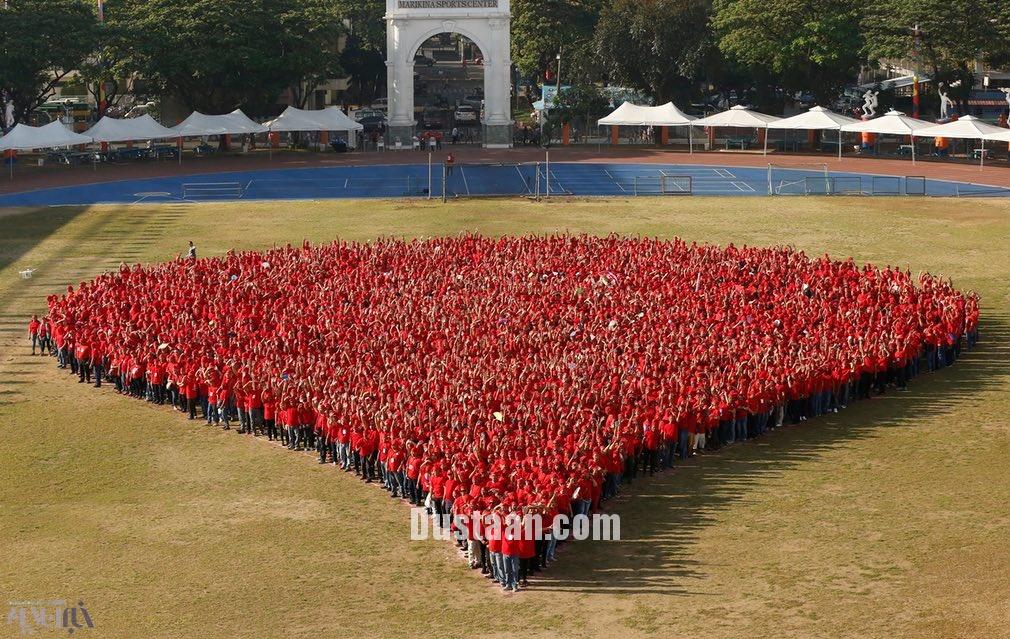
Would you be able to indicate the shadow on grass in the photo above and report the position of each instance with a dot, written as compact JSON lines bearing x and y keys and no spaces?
{"x":662,"y":516}
{"x":23,"y":231}
{"x":99,"y":243}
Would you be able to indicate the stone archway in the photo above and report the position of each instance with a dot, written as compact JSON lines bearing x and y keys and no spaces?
{"x":409,"y":23}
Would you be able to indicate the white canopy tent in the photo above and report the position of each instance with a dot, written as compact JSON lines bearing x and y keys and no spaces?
{"x":668,"y":114}
{"x":126,"y":130}
{"x":891,"y":123}
{"x":739,"y":117}
{"x":55,"y":134}
{"x":816,"y":119}
{"x":200,"y":124}
{"x":1002,"y":136}
{"x":965,"y":128}
{"x":328,"y":119}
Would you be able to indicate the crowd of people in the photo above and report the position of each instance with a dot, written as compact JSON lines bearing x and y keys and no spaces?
{"x":506,"y":375}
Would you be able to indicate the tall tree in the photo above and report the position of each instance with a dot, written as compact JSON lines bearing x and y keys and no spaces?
{"x":580,"y":105}
{"x":657,"y":46}
{"x":310,"y":34}
{"x":364,"y":56}
{"x":216,"y":55}
{"x":945,"y":36}
{"x":804,"y":45}
{"x":41,"y":42}
{"x":540,"y":28}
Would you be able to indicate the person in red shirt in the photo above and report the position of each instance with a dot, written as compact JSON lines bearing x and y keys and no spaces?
{"x":82,"y":355}
{"x":254,"y":408}
{"x":506,"y":372}
{"x":270,"y":414}
{"x":34,"y":326}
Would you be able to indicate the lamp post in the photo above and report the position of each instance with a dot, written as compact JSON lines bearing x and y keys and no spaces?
{"x":916,"y":38}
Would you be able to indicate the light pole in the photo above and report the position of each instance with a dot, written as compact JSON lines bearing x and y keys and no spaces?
{"x":558,"y":94}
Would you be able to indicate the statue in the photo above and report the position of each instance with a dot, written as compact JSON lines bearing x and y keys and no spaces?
{"x":945,"y":102}
{"x":9,"y":115}
{"x":870,"y":103}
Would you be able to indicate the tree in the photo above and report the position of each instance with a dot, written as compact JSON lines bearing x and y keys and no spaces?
{"x":657,"y":46}
{"x":105,"y":67}
{"x":946,"y":36}
{"x":216,"y":55}
{"x":540,"y":28}
{"x":998,"y":50}
{"x":804,"y":45}
{"x":311,"y":32}
{"x":364,"y":56}
{"x":579,"y":105}
{"x":41,"y":42}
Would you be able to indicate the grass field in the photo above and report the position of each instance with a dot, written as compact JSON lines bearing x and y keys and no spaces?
{"x":891,"y":519}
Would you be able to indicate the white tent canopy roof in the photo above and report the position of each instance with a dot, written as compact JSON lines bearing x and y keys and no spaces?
{"x":143,"y":128}
{"x":738,"y":117}
{"x":55,"y":134}
{"x":234,"y":123}
{"x":966,"y":127}
{"x":817,"y":118}
{"x":328,"y":119}
{"x":891,"y":123}
{"x":629,"y":114}
{"x":1002,"y":136}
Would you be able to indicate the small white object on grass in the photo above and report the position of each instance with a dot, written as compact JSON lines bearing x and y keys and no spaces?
{"x":27,"y":273}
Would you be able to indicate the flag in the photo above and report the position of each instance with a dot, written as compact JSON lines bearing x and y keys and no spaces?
{"x":915,"y":97}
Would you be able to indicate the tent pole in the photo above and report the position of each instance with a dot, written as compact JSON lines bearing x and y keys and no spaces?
{"x":766,"y":141}
{"x":981,"y":162}
{"x":839,"y":144}
{"x":912,"y":137}
{"x":690,"y":138}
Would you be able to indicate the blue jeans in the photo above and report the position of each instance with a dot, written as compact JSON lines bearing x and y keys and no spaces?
{"x":552,"y":545}
{"x":498,"y":567}
{"x":511,"y":571}
{"x":741,"y":429}
{"x":683,"y":438}
{"x":727,"y":432}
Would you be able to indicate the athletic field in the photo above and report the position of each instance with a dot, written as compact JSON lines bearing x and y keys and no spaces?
{"x":890,"y":519}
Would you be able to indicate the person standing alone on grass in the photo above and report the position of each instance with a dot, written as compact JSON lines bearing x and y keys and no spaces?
{"x":191,"y":254}
{"x":33,"y":333}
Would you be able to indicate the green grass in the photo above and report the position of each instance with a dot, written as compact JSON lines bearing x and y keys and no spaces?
{"x":889,"y":520}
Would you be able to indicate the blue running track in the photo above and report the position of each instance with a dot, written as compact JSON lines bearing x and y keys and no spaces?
{"x":476,"y":180}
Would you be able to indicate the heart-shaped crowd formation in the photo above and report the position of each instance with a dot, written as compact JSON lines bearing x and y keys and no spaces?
{"x":508,"y":373}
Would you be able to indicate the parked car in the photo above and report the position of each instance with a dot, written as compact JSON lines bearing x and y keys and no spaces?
{"x":373,"y":122}
{"x":474,"y":100}
{"x":363,"y":114}
{"x":420,"y":58}
{"x":465,"y":114}
{"x":432,"y":120}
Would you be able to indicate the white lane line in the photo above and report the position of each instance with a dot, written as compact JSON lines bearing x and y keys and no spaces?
{"x":615,"y":181}
{"x":522,"y":178}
